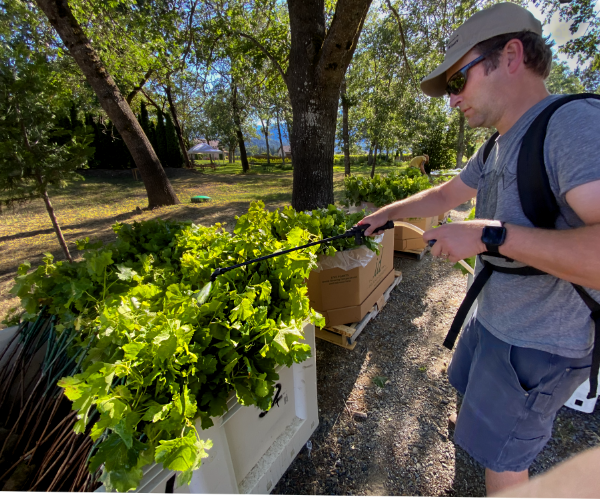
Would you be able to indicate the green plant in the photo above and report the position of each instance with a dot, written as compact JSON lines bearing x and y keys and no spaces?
{"x":382,"y":191}
{"x":380,"y":381}
{"x":161,"y":348}
{"x":355,"y":159}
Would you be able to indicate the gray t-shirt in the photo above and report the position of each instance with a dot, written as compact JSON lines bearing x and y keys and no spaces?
{"x":540,"y":312}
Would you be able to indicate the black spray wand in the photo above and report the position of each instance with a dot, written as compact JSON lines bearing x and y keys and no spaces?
{"x":358,"y":232}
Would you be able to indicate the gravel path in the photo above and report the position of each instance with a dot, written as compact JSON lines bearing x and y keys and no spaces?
{"x":384,"y":406}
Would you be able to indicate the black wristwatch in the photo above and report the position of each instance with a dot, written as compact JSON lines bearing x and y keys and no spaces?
{"x":493,"y":237}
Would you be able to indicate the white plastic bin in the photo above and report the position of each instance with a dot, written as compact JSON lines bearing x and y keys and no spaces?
{"x":251,"y":452}
{"x":579,"y":401}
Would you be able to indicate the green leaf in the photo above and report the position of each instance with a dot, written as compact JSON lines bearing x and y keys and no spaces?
{"x":125,"y":273}
{"x":261,"y":389}
{"x":242,"y":311}
{"x":202,"y":296}
{"x":157,"y":412}
{"x":74,"y":387}
{"x":133,"y":349}
{"x":183,"y":453}
{"x":122,"y":480}
{"x":166,"y":344}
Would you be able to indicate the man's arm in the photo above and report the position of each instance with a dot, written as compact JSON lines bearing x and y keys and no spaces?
{"x":572,"y":254}
{"x":428,"y":203}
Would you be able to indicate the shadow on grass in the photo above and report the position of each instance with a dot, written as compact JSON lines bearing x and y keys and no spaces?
{"x":92,"y":222}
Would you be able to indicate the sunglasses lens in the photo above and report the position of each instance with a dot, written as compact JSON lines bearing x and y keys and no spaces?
{"x":456,"y":83}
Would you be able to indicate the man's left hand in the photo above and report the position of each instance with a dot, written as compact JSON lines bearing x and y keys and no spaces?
{"x":458,"y":240}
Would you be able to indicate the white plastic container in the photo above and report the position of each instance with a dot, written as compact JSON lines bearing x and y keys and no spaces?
{"x":251,"y":452}
{"x":579,"y":401}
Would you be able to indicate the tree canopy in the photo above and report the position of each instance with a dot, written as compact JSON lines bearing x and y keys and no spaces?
{"x":191,"y":71}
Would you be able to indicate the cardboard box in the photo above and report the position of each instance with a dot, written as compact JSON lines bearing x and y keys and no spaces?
{"x":413,"y":245}
{"x":335,"y":288}
{"x":408,"y":239}
{"x":351,"y":314}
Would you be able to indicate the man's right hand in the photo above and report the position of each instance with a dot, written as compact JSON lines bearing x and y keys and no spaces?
{"x":375,"y":220}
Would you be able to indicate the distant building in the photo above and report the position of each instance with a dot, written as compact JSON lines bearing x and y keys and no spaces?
{"x":212,"y":143}
{"x":287,"y":151}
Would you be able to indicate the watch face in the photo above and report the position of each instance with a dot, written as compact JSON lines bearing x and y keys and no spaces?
{"x":493,"y":235}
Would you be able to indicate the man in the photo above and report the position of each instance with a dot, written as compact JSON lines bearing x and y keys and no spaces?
{"x":419,"y":162}
{"x":528,"y":346}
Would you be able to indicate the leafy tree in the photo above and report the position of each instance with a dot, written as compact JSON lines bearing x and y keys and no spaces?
{"x":579,"y":12}
{"x":561,"y":80}
{"x":35,"y":153}
{"x":590,"y":79}
{"x":158,"y":187}
{"x":310,"y":45}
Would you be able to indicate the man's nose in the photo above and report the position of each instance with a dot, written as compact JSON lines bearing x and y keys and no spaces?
{"x":455,"y":100}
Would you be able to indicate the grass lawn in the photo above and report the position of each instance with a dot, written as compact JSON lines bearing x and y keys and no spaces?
{"x":89,"y":208}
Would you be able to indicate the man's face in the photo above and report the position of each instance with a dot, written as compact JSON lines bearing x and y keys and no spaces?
{"x":478,"y":99}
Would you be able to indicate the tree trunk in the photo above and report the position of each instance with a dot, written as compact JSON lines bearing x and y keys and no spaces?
{"x":238,"y":131}
{"x":370,"y":154}
{"x":186,"y":158}
{"x":159,"y":189}
{"x":280,"y":140}
{"x":374,"y":160}
{"x":317,"y":64}
{"x":266,"y":133}
{"x":345,"y":133}
{"x":461,"y":140}
{"x":57,"y":230}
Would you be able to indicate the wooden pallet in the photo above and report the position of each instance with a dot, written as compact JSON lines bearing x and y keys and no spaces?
{"x":345,"y":335}
{"x":412,"y":254}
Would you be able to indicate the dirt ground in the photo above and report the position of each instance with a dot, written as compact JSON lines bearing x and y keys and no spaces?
{"x":404,"y":446}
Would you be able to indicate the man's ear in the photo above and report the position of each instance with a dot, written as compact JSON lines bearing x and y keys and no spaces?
{"x":514,"y":53}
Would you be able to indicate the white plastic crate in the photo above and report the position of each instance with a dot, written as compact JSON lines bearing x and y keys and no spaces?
{"x":251,"y":452}
{"x":579,"y":401}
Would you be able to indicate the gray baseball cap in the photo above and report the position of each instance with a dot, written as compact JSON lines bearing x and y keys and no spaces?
{"x":485,"y":24}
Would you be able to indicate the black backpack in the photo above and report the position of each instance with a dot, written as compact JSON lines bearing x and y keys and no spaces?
{"x":541,"y":208}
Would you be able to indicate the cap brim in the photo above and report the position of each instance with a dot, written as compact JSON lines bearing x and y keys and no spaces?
{"x":434,"y":84}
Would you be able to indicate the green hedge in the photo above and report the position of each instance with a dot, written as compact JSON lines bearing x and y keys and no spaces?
{"x":384,"y":190}
{"x":338,"y":159}
{"x":274,"y":160}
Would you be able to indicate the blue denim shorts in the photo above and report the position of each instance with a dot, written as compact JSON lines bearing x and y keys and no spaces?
{"x":511,"y":397}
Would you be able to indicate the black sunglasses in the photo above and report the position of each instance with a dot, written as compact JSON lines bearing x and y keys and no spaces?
{"x":457,"y":82}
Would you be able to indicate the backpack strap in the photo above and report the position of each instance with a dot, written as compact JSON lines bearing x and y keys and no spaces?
{"x":594,"y":307}
{"x":535,"y":193}
{"x":463,"y":310}
{"x":489,"y":145}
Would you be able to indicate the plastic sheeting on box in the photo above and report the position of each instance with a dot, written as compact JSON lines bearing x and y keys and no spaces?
{"x":348,"y":259}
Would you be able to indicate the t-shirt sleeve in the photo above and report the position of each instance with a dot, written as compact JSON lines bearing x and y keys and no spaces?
{"x":572,"y":146}
{"x":471,"y":173}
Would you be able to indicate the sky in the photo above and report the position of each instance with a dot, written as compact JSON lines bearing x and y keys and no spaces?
{"x":559,"y":31}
